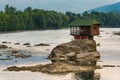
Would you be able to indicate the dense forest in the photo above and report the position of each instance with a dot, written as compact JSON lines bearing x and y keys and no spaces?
{"x":38,"y":19}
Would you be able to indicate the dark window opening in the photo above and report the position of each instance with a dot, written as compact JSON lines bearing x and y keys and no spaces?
{"x":94,"y":28}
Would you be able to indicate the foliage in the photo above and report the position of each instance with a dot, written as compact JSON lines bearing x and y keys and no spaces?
{"x":12,"y":19}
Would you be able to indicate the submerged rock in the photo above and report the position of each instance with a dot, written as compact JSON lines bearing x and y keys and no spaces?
{"x":5,"y":58}
{"x":16,"y":43}
{"x":42,"y":44}
{"x":14,"y":51}
{"x":4,"y":42}
{"x":16,"y":55}
{"x":58,"y":67}
{"x":26,"y":44}
{"x":3,"y":46}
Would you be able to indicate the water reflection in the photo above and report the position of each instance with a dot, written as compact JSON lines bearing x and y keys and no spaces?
{"x":83,"y":69}
{"x":90,"y":75}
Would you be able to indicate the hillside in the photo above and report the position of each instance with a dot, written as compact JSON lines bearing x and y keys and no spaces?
{"x":108,"y":8}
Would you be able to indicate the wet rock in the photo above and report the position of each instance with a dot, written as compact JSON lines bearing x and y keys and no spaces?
{"x":8,"y":56}
{"x":5,"y":58}
{"x":16,"y":55}
{"x":79,"y":50}
{"x":4,"y":42}
{"x":10,"y":47}
{"x":118,"y":65}
{"x":108,"y":65}
{"x":42,"y":44}
{"x":16,"y":43}
{"x":3,"y":46}
{"x":80,"y":72}
{"x":14,"y":51}
{"x":16,"y":61}
{"x":13,"y":68}
{"x":9,"y":42}
{"x":26,"y":44}
{"x":58,"y":67}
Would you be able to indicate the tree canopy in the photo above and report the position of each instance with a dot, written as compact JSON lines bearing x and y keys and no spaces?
{"x":12,"y":19}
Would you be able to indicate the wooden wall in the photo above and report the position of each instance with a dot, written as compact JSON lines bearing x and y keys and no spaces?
{"x":95,"y":29}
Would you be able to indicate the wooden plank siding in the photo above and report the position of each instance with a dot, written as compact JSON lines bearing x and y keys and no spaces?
{"x":94,"y":29}
{"x":80,"y":31}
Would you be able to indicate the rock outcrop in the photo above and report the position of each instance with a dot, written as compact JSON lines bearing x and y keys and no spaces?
{"x":83,"y":51}
{"x":57,"y":67}
{"x":74,"y":56}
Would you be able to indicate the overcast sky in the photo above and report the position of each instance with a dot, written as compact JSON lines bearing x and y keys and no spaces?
{"x":77,"y":6}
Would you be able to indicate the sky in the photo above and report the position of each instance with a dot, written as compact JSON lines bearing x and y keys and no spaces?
{"x":76,"y":6}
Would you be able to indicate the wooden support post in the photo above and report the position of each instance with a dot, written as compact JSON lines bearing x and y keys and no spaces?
{"x":91,"y":37}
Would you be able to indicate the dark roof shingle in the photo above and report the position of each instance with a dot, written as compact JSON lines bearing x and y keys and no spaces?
{"x":81,"y":22}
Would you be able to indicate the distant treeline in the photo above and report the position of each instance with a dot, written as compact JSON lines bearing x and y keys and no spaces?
{"x":38,"y":19}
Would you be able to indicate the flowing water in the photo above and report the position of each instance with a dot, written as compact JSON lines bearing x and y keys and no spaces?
{"x":109,"y":49}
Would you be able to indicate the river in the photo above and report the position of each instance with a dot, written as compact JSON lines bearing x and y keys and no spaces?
{"x":109,"y":49}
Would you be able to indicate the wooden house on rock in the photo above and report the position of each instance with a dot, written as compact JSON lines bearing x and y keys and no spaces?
{"x":84,"y":29}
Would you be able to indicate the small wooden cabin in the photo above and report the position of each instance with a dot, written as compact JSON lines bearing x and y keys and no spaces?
{"x":84,"y":29}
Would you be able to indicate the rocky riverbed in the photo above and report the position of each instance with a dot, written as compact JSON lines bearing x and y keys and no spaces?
{"x":74,"y":56}
{"x":108,"y":46}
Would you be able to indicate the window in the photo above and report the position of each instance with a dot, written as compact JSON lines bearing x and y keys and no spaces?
{"x":94,"y":28}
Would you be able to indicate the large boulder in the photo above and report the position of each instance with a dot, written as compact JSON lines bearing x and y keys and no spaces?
{"x":83,"y":51}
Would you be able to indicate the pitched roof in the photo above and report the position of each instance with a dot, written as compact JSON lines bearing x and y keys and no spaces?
{"x":84,"y":22}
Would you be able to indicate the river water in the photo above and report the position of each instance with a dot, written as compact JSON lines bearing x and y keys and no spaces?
{"x":109,"y":49}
